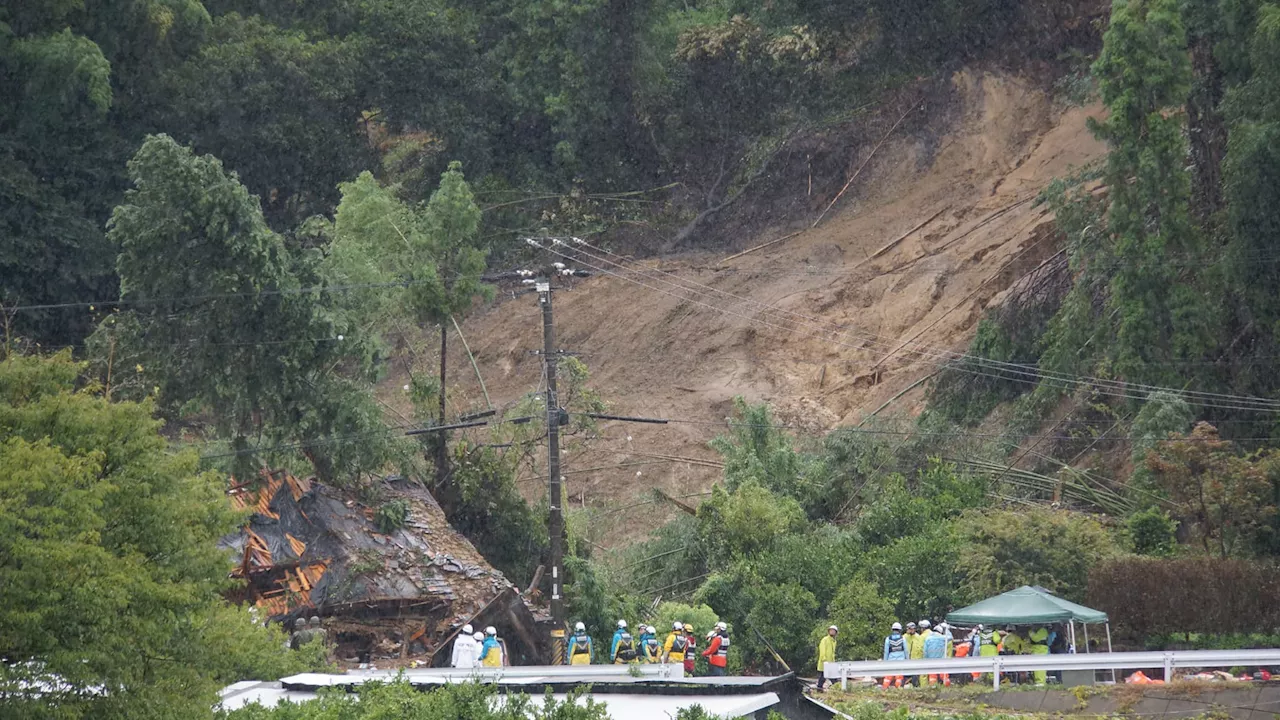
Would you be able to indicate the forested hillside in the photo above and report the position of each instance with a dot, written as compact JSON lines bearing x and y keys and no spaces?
{"x":237,"y":234}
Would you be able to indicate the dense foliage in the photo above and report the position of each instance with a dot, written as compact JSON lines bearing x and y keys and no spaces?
{"x":1148,"y":596}
{"x":472,"y":701}
{"x":110,"y":579}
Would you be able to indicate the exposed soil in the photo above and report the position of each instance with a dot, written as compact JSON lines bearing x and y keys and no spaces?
{"x":820,"y":329}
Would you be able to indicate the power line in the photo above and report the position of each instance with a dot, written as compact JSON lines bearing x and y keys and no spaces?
{"x":881,"y":340}
{"x":1019,"y":373}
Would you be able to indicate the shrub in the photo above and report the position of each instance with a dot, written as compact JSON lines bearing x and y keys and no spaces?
{"x":1002,"y":550}
{"x":862,"y":614}
{"x":1144,"y":596}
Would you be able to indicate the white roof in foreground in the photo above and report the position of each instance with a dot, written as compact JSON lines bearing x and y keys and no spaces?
{"x":621,"y":706}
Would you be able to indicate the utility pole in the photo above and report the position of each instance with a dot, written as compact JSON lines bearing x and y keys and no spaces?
{"x":555,"y":517}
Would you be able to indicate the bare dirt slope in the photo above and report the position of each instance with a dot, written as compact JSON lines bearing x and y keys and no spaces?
{"x":820,"y":329}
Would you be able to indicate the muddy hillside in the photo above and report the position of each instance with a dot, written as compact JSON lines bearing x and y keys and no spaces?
{"x":826,"y":326}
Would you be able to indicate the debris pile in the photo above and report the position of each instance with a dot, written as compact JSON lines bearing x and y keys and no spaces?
{"x":386,"y":592}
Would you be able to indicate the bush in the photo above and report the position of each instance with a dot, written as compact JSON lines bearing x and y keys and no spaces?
{"x":745,"y":522}
{"x":402,"y":700}
{"x":1152,"y":532}
{"x":919,"y":573}
{"x":862,"y":614}
{"x":1144,"y":596}
{"x":392,"y":515}
{"x":778,"y":613}
{"x":1003,"y":549}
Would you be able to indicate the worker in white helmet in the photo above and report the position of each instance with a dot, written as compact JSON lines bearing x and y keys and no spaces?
{"x":491,"y":654}
{"x":579,"y":649}
{"x":465,"y":649}
{"x":677,"y":643}
{"x":895,"y":648}
{"x":826,"y":653}
{"x":617,"y":636}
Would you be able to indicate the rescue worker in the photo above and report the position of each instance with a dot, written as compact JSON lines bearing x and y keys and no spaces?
{"x":965,"y":647}
{"x":1039,"y":645}
{"x":491,"y":654}
{"x":912,"y":636}
{"x":578,"y":651}
{"x":690,"y":651}
{"x":300,"y":634}
{"x":318,"y":632}
{"x":624,"y":653}
{"x":673,"y":649}
{"x":934,"y":645}
{"x":465,"y":649}
{"x":826,"y":654}
{"x":717,"y":652}
{"x":895,"y":648}
{"x":617,"y":635}
{"x":915,"y":647}
{"x":944,"y":629}
{"x":1011,"y":643}
{"x":988,"y":644}
{"x":649,"y":645}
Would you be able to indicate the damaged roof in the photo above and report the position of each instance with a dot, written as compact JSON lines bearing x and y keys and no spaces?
{"x":308,"y":546}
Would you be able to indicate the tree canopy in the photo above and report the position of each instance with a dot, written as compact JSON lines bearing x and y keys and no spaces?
{"x":110,"y":578}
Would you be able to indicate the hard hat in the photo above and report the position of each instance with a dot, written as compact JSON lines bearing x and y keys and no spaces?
{"x":580,"y":627}
{"x":688,"y":627}
{"x":711,"y":634}
{"x":478,"y":637}
{"x":467,"y":629}
{"x":924,"y":623}
{"x":980,"y":628}
{"x":721,"y":626}
{"x":300,"y":623}
{"x":833,"y":627}
{"x":896,"y":626}
{"x":677,"y":626}
{"x":911,"y":626}
{"x":491,"y":630}
{"x":651,"y":630}
{"x":622,"y":624}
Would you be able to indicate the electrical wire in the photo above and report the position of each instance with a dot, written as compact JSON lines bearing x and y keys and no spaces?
{"x":1014,"y":372}
{"x":881,"y":340}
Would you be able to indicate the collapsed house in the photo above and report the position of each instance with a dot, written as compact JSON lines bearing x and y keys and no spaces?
{"x":396,"y":587}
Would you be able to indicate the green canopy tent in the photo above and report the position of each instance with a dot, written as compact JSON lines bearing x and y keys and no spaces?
{"x":1032,"y":606}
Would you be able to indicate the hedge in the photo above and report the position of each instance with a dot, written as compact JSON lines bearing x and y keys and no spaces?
{"x":1145,"y":596}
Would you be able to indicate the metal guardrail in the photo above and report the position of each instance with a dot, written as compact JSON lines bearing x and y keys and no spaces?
{"x":515,"y":673}
{"x":996,"y":664}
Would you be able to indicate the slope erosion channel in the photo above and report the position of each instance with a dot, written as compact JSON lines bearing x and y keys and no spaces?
{"x":826,"y":326}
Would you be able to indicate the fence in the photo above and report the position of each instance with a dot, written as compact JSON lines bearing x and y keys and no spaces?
{"x":529,"y":674}
{"x":996,"y":664}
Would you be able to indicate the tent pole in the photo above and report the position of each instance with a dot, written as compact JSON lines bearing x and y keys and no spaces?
{"x":1113,"y":670}
{"x":1086,"y":636}
{"x":1071,"y":636}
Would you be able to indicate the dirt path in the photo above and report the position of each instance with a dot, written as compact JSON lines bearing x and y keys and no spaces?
{"x":826,"y":333}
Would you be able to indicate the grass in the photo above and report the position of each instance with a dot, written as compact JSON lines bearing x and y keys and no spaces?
{"x":970,"y":702}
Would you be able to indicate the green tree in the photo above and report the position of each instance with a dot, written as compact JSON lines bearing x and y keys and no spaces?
{"x":224,"y":327}
{"x":758,"y":451}
{"x":862,"y":614}
{"x":1154,"y":313}
{"x":745,"y":522}
{"x":376,"y":238}
{"x":922,"y":574}
{"x":1152,"y":532}
{"x":76,"y":82}
{"x":110,"y":576}
{"x":1224,"y":497}
{"x":1003,"y":549}
{"x":901,"y":509}
{"x":280,"y":108}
